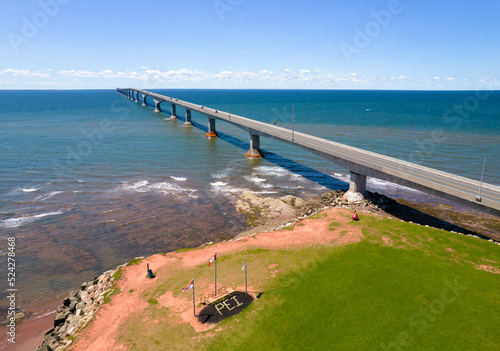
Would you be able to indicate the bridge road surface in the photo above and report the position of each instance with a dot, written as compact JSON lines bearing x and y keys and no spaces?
{"x":446,"y":185}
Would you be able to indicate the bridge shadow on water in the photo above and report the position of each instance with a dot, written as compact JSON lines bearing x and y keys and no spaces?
{"x":309,"y":173}
{"x":400,"y":211}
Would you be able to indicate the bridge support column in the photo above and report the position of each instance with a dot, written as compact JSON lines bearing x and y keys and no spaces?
{"x":357,"y":188}
{"x":131,"y":96}
{"x":144,"y":103}
{"x":188,"y":122}
{"x":157,"y":105}
{"x":211,"y":129}
{"x":174,"y":112}
{"x":136,"y":96}
{"x":254,"y":150}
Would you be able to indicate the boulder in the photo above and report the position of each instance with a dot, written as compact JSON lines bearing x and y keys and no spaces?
{"x":61,"y":318}
{"x":72,"y":307}
{"x":52,"y":344}
{"x":80,"y":305}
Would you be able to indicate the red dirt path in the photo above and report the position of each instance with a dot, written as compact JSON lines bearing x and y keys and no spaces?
{"x":103,"y":332}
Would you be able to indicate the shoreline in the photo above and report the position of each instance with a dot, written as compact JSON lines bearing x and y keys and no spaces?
{"x":31,"y":331}
{"x":312,"y":231}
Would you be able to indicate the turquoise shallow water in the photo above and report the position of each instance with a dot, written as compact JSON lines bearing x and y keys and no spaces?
{"x":90,"y":179}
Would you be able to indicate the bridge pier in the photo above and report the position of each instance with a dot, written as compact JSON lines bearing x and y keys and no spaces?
{"x":211,"y":129}
{"x":174,"y":110}
{"x":157,"y":105}
{"x":131,"y":95}
{"x":188,"y":122}
{"x":357,"y":188}
{"x":144,"y":100}
{"x":136,"y":96}
{"x":254,"y":150}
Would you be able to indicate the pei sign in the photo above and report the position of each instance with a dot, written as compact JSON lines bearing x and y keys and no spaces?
{"x":227,"y":306}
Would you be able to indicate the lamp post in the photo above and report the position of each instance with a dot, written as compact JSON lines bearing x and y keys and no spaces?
{"x":478,"y":198}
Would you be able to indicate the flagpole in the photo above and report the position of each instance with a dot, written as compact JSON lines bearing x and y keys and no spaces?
{"x":246,"y":275}
{"x":194,"y":308}
{"x":216,"y":274}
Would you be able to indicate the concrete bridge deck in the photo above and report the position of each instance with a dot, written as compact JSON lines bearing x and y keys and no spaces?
{"x":360,"y":163}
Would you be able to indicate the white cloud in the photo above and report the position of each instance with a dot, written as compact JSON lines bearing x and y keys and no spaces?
{"x":40,"y":83}
{"x":25,"y":72}
{"x":286,"y":78}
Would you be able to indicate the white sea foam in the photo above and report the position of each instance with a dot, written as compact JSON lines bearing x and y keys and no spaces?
{"x":29,"y":190}
{"x":222,"y":174}
{"x":218,"y":184}
{"x":47,"y":196}
{"x":140,"y":186}
{"x":44,"y":314}
{"x":179,"y":179}
{"x":340,"y":175}
{"x":272,"y":171}
{"x":222,"y":187}
{"x":375,"y":184}
{"x":19,"y":221}
{"x":255,"y":179}
{"x":18,"y":191}
{"x":298,"y":177}
{"x":144,"y":186}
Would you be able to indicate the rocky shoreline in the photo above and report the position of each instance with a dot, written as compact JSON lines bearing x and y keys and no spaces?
{"x":77,"y":311}
{"x":81,"y":305}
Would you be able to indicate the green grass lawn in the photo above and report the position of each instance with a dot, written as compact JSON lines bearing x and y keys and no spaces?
{"x":403,"y":287}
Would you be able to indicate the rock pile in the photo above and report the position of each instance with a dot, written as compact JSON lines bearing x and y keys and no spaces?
{"x":262,"y":209}
{"x":374,"y":201}
{"x":77,"y":310}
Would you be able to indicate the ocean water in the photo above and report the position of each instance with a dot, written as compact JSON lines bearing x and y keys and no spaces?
{"x":90,"y":180}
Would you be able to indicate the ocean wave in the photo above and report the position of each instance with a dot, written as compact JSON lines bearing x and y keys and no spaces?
{"x":375,"y":184}
{"x":179,"y":179}
{"x":140,"y":186}
{"x":18,"y":191}
{"x":29,"y":190}
{"x":144,"y":186}
{"x":19,"y":221}
{"x":47,"y":196}
{"x":272,"y":171}
{"x":298,"y":177}
{"x":255,"y":179}
{"x":222,"y":174}
{"x":225,"y":188}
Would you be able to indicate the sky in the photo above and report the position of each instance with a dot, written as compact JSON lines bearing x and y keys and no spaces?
{"x":247,"y":44}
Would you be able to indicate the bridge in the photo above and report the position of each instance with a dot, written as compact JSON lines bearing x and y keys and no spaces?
{"x":360,"y":163}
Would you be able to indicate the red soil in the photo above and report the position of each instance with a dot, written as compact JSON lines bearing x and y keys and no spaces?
{"x":102,"y":334}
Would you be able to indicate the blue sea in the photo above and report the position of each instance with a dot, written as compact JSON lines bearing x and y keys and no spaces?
{"x":90,"y":179}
